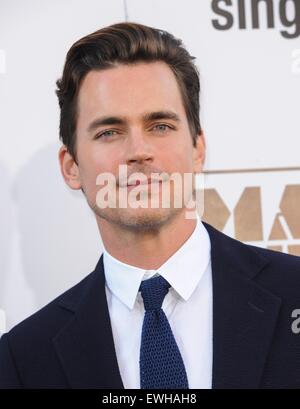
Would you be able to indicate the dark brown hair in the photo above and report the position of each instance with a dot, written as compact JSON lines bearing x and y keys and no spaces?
{"x":125,"y":43}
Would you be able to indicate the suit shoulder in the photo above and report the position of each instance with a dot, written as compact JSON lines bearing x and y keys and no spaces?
{"x":279,"y":260}
{"x":281,"y":273}
{"x":242,"y":254}
{"x":273,"y":269}
{"x":49,"y":319}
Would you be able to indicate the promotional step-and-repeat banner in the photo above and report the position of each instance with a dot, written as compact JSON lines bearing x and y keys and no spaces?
{"x":248,"y":54}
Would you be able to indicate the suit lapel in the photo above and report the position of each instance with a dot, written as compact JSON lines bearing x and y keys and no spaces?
{"x":85,"y":345}
{"x":244,"y":313}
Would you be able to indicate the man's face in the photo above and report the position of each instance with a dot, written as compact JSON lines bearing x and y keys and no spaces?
{"x":146,"y":145}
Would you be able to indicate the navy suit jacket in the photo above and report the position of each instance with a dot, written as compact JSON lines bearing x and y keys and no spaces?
{"x":69,"y":343}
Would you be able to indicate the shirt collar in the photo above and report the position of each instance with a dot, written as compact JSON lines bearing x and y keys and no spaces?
{"x":183,"y":270}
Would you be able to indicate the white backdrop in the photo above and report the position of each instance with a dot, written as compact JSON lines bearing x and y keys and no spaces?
{"x":250,"y":111}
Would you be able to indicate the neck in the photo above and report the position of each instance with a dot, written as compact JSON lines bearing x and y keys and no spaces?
{"x":147,"y":250}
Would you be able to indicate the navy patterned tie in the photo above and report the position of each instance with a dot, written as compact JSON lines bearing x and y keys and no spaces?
{"x":161,"y":365}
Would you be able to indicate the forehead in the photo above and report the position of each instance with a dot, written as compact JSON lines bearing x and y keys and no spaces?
{"x":129,"y":89}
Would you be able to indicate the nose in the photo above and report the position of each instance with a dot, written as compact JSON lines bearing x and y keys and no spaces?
{"x":139,"y":149}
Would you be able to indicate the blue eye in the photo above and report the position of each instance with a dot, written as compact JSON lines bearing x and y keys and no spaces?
{"x":104,"y":134}
{"x":163,"y":125}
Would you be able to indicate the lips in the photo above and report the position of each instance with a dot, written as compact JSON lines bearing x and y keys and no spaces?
{"x":144,"y":185}
{"x":143,"y":182}
{"x":136,"y":182}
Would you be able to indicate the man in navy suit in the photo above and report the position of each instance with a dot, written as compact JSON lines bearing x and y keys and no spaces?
{"x":129,"y":95}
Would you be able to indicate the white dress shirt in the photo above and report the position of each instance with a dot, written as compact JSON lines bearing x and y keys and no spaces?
{"x":187,"y":305}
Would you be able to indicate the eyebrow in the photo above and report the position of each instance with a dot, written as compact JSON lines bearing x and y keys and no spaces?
{"x":119,"y":120}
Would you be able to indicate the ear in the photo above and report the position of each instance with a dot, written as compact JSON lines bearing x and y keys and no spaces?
{"x":69,"y":169}
{"x":199,"y":152}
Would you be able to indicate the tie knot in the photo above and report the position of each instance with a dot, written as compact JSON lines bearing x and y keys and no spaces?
{"x":153,"y":292}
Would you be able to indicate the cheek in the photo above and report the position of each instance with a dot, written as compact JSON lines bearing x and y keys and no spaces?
{"x":95,"y":160}
{"x":182,"y":158}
